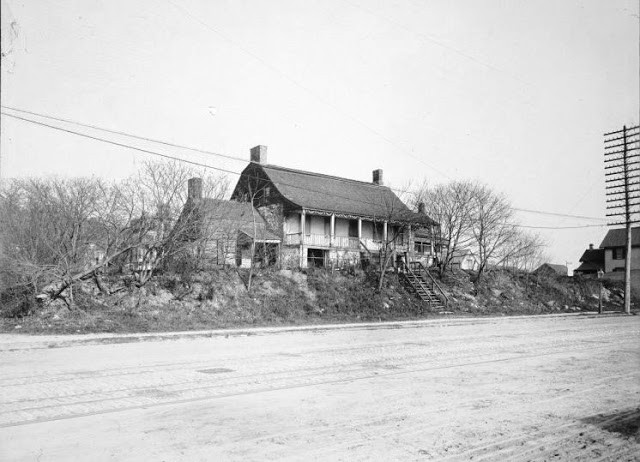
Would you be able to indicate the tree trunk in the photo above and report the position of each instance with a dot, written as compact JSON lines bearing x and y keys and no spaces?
{"x":101,"y":287}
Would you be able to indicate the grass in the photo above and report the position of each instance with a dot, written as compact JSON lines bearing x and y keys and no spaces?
{"x":219,"y":299}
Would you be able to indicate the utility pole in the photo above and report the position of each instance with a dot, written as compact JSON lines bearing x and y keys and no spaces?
{"x":622,"y":167}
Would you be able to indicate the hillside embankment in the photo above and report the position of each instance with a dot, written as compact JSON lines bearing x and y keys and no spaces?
{"x":220,"y":299}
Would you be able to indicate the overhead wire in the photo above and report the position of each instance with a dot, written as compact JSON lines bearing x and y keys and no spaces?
{"x":403,"y":191}
{"x":306,"y":89}
{"x":199,"y":164}
{"x":119,"y":132}
{"x":563,"y":227}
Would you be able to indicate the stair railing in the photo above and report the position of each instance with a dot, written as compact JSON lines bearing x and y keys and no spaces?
{"x":434,"y":284}
{"x":418,"y":281}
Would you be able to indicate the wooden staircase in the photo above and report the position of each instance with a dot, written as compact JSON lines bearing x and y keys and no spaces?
{"x":418,"y":280}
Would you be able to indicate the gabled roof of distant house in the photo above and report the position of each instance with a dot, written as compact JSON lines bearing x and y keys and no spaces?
{"x":589,"y":267}
{"x":593,"y":256}
{"x":559,"y":269}
{"x":233,"y":216}
{"x":459,"y":254}
{"x":592,"y":260}
{"x":315,"y":191}
{"x":618,"y":238}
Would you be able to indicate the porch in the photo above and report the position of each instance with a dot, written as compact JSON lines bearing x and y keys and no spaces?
{"x":343,"y":233}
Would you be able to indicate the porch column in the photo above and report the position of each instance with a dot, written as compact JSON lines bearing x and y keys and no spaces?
{"x":384,"y":232}
{"x":303,"y":217}
{"x":333,"y":229}
{"x":359,"y":229}
{"x":409,"y":243}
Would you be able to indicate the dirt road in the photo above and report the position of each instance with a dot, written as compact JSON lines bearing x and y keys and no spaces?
{"x":552,"y":388}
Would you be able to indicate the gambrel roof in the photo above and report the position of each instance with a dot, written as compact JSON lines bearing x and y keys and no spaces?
{"x":332,"y":194}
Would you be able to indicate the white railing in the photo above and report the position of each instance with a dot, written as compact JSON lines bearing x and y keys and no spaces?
{"x":322,"y":240}
{"x":340,"y":242}
{"x":372,"y":245}
{"x":346,"y":242}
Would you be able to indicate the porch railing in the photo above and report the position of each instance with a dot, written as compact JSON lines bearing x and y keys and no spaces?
{"x":323,"y":240}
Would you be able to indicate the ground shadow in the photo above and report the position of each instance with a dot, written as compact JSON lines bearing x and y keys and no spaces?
{"x":625,"y":423}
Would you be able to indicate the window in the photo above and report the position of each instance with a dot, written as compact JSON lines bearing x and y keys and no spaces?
{"x":619,"y":253}
{"x":423,"y":247}
{"x":353,"y":228}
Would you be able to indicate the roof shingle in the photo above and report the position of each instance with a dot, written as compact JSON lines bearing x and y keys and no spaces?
{"x":235,"y":216}
{"x":340,"y":195}
{"x":618,"y":238}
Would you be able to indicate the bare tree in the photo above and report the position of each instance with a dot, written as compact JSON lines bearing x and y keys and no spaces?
{"x":450,"y":205}
{"x":393,"y":219}
{"x":51,"y":228}
{"x":56,"y":233}
{"x":492,"y":225}
{"x":521,"y":251}
{"x":255,"y":190}
{"x":159,"y":191}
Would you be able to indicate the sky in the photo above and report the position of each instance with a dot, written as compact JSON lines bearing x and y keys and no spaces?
{"x":514,"y":94}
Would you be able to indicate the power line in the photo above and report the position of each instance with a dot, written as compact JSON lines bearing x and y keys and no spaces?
{"x":562,"y":227}
{"x":324,"y":101}
{"x":130,"y":135}
{"x":337,"y":108}
{"x":104,"y":140}
{"x":404,"y":191}
{"x":437,"y":42}
{"x":541,"y":212}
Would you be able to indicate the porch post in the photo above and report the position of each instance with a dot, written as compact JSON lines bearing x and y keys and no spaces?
{"x":359,"y":229}
{"x":384,"y":233}
{"x":409,"y":244}
{"x":303,"y":217}
{"x":333,"y":230}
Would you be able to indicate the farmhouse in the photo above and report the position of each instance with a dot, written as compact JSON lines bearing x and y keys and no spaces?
{"x":325,"y":220}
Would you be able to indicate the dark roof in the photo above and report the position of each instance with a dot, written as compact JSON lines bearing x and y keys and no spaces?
{"x":618,"y":238}
{"x":589,"y":267}
{"x":235,"y":216}
{"x":560,"y":269}
{"x":340,"y":195}
{"x":593,"y":256}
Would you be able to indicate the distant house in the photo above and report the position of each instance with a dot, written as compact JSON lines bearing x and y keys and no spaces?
{"x":551,"y":269}
{"x":464,"y":259}
{"x":591,"y":261}
{"x":327,"y":220}
{"x":614,"y":245}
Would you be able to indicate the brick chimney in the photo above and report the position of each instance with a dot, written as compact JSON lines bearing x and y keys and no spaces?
{"x":421,"y":208}
{"x":194,"y":191}
{"x":259,"y":154}
{"x":590,"y":246}
{"x":377,"y":177}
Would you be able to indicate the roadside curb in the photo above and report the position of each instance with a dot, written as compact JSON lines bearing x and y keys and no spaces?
{"x":14,"y":342}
